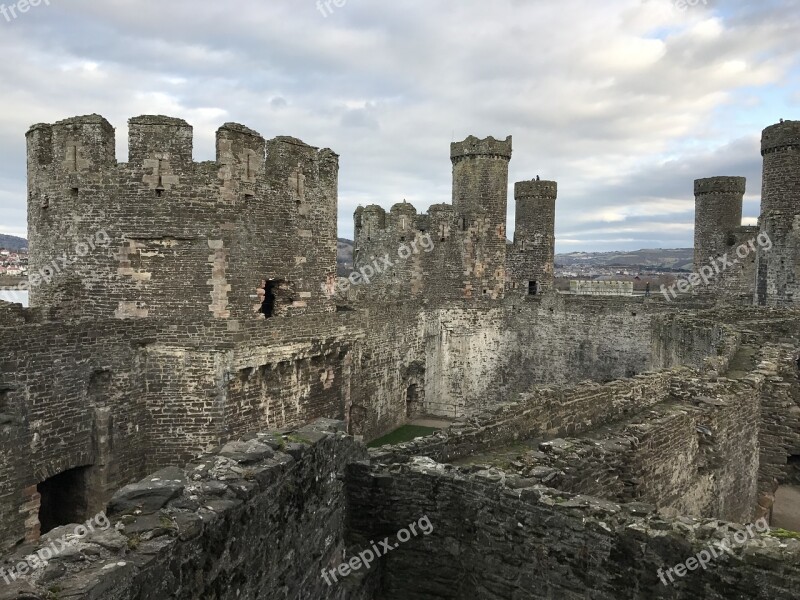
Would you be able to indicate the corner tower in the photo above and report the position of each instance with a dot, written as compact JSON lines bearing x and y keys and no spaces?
{"x":480,"y":197}
{"x":778,"y":279}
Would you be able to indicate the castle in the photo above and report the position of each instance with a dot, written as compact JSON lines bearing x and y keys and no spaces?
{"x":146,"y":349}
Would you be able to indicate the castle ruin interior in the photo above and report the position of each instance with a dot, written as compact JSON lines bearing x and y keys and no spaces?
{"x":592,"y":443}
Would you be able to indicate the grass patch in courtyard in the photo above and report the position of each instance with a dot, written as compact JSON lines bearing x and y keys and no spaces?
{"x":406,"y":433}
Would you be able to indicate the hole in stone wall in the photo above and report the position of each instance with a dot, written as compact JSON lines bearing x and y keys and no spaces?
{"x":245,"y":374}
{"x":533,"y":288}
{"x":74,"y":192}
{"x":268,"y":305}
{"x":64,"y":499}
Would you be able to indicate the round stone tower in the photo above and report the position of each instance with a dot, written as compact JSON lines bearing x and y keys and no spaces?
{"x":480,"y":199}
{"x":778,"y":280}
{"x":480,"y":177}
{"x":534,"y":235}
{"x":717,"y":216}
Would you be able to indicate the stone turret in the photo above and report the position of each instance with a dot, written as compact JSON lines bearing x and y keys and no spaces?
{"x":532,"y":255}
{"x":778,"y":279}
{"x":480,"y":198}
{"x":718,"y":216}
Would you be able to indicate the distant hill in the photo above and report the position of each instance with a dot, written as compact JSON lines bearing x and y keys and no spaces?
{"x":13,"y":243}
{"x":657,"y":258}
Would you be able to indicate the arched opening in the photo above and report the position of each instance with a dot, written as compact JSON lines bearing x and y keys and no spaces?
{"x":64,"y":499}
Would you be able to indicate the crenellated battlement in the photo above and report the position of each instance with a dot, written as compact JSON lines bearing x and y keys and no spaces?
{"x":401,"y":219}
{"x":75,"y":151}
{"x":487,"y":147}
{"x":157,"y":137}
{"x":87,"y":143}
{"x":76,"y":146}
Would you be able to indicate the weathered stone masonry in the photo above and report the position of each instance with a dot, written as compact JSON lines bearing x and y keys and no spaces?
{"x":145,"y":352}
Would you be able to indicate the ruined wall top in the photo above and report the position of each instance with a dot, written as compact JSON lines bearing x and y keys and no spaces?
{"x":473,"y":146}
{"x":780,"y":136}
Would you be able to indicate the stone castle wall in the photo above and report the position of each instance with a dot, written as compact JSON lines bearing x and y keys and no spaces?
{"x":258,"y":519}
{"x":498,"y":538}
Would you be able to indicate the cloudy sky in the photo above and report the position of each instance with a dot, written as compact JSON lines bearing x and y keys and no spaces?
{"x":624,"y":102}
